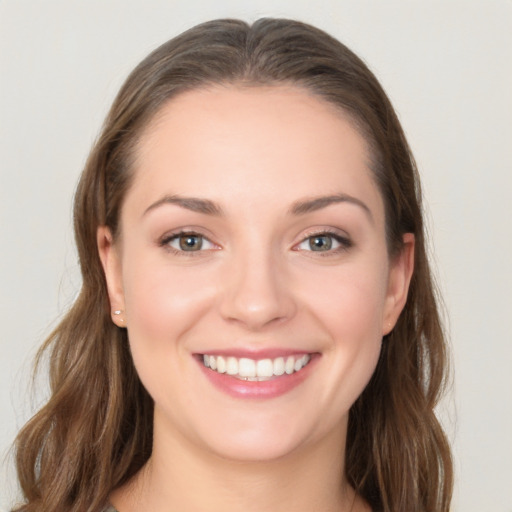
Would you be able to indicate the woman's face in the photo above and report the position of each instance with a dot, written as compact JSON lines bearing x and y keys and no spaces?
{"x":252,"y":271}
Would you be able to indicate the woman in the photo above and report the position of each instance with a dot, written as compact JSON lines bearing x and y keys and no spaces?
{"x":257,"y":326}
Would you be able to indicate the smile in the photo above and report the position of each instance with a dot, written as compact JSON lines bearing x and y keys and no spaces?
{"x":256,"y":370}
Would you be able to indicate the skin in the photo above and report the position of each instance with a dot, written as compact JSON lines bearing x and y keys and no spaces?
{"x":257,"y":283}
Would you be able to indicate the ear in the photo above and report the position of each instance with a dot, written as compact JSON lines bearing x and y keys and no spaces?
{"x":111,"y":262}
{"x":400,"y":273}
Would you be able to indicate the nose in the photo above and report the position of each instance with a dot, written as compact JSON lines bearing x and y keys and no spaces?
{"x":257,"y":292}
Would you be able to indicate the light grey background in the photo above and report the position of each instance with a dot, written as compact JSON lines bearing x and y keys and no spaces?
{"x":446,"y":66}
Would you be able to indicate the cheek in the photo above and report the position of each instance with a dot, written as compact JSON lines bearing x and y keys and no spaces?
{"x":163,"y":302}
{"x":163,"y":306}
{"x":349,"y":300}
{"x":350,"y":311}
{"x":354,"y":320}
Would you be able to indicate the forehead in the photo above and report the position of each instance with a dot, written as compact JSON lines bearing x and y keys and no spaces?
{"x":287,"y":107}
{"x":251,"y":143}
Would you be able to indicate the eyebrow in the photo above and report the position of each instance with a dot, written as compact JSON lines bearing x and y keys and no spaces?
{"x":194,"y":204}
{"x":317,"y":203}
{"x":302,"y":207}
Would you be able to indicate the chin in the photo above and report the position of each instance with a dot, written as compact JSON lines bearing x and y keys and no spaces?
{"x":264,"y":438}
{"x":255,"y":448}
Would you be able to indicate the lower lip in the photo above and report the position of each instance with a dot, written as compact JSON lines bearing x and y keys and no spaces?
{"x":272,"y":388}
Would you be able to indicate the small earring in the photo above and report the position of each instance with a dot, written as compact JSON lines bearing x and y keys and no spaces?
{"x":117,"y":318}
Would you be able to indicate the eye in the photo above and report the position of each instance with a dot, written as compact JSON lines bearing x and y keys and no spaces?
{"x":187,"y":242}
{"x":324,"y":242}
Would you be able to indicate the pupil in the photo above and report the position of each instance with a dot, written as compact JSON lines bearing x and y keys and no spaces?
{"x":320,"y":243}
{"x":190,"y":242}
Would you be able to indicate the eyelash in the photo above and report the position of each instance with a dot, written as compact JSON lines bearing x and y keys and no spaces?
{"x":344,"y":243}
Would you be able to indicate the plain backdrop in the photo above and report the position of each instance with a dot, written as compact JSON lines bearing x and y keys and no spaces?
{"x":446,"y":66}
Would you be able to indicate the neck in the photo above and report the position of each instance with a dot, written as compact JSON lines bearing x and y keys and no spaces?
{"x":180,"y":476}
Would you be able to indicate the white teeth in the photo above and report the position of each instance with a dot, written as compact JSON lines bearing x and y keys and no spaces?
{"x":303,"y":361}
{"x":221,"y":364}
{"x":246,"y":367}
{"x":279,"y":366}
{"x":262,"y":369}
{"x":232,"y":366}
{"x":265,"y":368}
{"x":289,"y":365}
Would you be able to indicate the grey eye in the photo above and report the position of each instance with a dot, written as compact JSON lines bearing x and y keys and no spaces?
{"x":320,"y":243}
{"x":188,"y":242}
{"x":324,"y":242}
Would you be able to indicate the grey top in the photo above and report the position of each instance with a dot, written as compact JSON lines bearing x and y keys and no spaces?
{"x":109,"y":508}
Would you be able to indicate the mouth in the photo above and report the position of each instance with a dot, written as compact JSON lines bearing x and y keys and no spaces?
{"x":256,"y":370}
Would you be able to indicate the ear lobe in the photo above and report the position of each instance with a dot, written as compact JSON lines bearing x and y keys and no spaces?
{"x":400,"y":274}
{"x":110,"y":260}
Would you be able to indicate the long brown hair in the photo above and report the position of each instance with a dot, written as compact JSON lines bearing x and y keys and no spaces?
{"x":95,"y":432}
